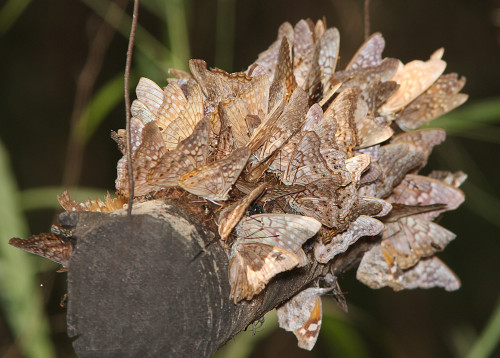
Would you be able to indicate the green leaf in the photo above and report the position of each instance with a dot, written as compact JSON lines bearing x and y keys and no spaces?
{"x":19,"y":291}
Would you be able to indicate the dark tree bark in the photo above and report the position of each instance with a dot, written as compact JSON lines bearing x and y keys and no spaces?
{"x":156,"y":284}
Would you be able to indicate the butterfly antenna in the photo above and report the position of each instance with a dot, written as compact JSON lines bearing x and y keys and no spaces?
{"x":367,"y":19}
{"x":128,"y":64}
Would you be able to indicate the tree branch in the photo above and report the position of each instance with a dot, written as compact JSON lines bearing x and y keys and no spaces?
{"x":145,"y":286}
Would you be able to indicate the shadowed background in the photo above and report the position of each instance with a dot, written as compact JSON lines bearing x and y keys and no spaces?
{"x":62,"y":93}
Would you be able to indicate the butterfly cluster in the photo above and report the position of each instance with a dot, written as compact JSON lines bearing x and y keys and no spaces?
{"x":293,"y":149}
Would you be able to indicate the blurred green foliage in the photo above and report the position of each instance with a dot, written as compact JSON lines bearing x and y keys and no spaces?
{"x":231,"y":33}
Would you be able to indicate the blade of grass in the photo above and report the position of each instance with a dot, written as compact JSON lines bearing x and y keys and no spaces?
{"x":489,"y":338}
{"x":145,"y":42}
{"x":103,"y":102}
{"x":224,"y":34}
{"x":177,"y":33}
{"x":21,"y":301}
{"x":10,"y":12}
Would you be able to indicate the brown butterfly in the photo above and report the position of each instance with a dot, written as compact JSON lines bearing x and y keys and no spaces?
{"x":109,"y":204}
{"x":215,"y":180}
{"x":375,"y":272}
{"x":363,"y":226}
{"x":421,"y":190}
{"x":57,"y":248}
{"x":439,"y":99}
{"x":267,"y":244}
{"x":414,"y":78}
{"x":411,"y":238}
{"x":231,"y":215}
{"x":147,"y":148}
{"x":190,"y":154}
{"x":302,"y":315}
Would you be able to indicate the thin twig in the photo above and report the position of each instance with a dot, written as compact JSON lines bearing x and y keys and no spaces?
{"x":127,"y":106}
{"x":367,"y":19}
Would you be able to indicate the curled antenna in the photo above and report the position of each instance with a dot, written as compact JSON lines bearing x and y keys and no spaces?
{"x":127,"y":106}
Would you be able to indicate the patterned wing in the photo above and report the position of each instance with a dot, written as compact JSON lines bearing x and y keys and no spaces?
{"x":49,"y":246}
{"x":214,"y":181}
{"x":369,"y":54}
{"x":189,"y":116}
{"x":421,"y":190}
{"x":231,"y":216}
{"x":110,"y":204}
{"x":302,"y":315}
{"x":439,"y":99}
{"x":411,"y":238}
{"x":306,"y":164}
{"x":413,"y":79}
{"x":174,"y":102}
{"x":189,"y":155}
{"x":252,"y":266}
{"x":286,"y":231}
{"x":150,"y":94}
{"x":374,"y":272}
{"x":362,"y":226}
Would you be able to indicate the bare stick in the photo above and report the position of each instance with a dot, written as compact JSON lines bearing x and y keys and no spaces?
{"x":127,"y":106}
{"x":367,"y":19}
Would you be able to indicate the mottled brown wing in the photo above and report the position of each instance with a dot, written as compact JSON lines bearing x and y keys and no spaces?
{"x":395,"y":160}
{"x":142,"y":112}
{"x":189,"y":116}
{"x":439,"y":99}
{"x":410,"y":239}
{"x":49,"y":246}
{"x":286,"y":231}
{"x":253,"y":265}
{"x":110,"y":204}
{"x":374,"y":272}
{"x":306,"y":164}
{"x":302,"y":315}
{"x":363,"y":226}
{"x":284,"y":83}
{"x":339,"y":121}
{"x":231,"y":215}
{"x":191,"y":153}
{"x":214,"y":181}
{"x":369,"y":54}
{"x":174,"y":102}
{"x":150,"y":94}
{"x":288,"y":123}
{"x":423,"y":140}
{"x":269,"y":58}
{"x":413,"y":78}
{"x":422,"y":190}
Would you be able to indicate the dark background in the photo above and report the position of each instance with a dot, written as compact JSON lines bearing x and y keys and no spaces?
{"x":43,"y":53}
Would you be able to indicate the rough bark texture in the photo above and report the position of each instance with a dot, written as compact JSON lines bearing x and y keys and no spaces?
{"x":156,"y":284}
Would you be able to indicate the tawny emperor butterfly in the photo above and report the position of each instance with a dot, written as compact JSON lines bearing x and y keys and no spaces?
{"x":362,"y":226}
{"x":215,"y":180}
{"x":440,"y":98}
{"x":302,"y":315}
{"x":411,"y":238}
{"x":413,"y":79}
{"x":50,"y":246}
{"x":267,"y":245}
{"x":375,"y":272}
{"x":231,"y":215}
{"x":109,"y":204}
{"x":190,"y":154}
